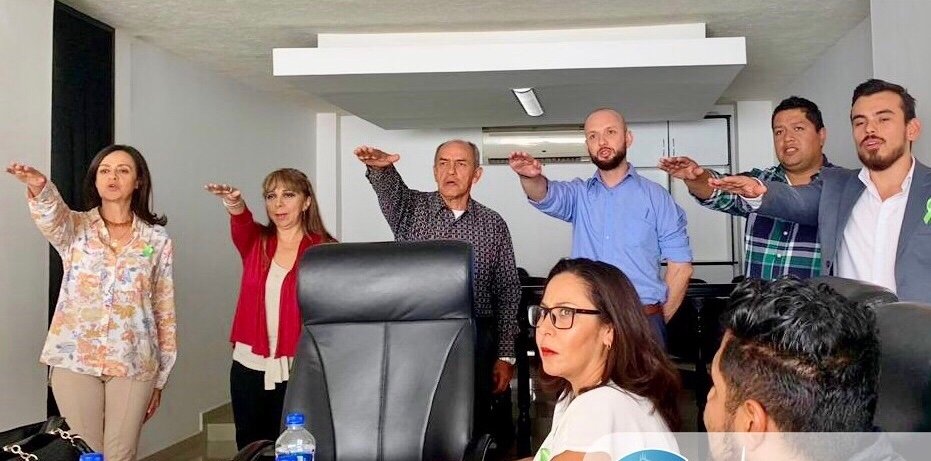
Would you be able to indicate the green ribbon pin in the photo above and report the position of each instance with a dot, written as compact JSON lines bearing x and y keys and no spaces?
{"x":147,"y":251}
{"x":928,"y":214}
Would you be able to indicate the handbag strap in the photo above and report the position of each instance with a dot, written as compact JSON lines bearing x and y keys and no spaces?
{"x":75,"y":440}
{"x":71,"y":438}
{"x":18,"y":451}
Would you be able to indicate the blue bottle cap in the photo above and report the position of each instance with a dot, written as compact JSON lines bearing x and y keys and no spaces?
{"x":294,"y":419}
{"x":92,"y":457}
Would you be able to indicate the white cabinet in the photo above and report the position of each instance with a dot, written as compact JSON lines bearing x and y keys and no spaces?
{"x":710,"y":233}
{"x":651,"y":141}
{"x":705,"y":141}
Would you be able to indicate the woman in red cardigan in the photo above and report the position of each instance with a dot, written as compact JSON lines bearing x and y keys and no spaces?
{"x":267,"y":322}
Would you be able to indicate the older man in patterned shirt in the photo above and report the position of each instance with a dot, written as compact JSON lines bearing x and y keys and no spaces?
{"x":450,"y":213}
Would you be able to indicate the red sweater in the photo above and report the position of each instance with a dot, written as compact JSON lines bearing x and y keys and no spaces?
{"x":249,"y":321}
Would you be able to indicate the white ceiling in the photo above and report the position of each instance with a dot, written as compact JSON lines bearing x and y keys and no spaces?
{"x":436,"y":81}
{"x":237,"y":37}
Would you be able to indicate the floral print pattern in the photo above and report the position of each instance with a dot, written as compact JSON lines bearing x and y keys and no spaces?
{"x":116,"y":311}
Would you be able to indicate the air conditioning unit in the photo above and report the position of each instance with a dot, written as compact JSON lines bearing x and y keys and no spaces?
{"x":549,"y":144}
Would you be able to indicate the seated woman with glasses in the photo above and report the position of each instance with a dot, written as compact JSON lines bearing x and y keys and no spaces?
{"x":617,"y":389}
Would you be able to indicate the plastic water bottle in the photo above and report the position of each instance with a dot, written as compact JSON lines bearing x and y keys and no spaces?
{"x":295,"y":443}
{"x":92,"y":457}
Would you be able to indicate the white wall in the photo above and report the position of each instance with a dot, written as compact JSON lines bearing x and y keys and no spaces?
{"x":901,"y":54}
{"x":326,"y":173}
{"x":830,"y":81}
{"x":25,"y":136}
{"x":195,"y":126}
{"x":754,"y":135}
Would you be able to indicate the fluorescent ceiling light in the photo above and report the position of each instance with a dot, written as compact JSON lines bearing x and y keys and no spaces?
{"x":529,"y":101}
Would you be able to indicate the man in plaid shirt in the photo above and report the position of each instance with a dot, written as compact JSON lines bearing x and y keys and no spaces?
{"x":774,"y":247}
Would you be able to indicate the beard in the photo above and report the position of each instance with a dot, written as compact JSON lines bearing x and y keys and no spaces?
{"x":725,"y":446}
{"x":611,"y":163}
{"x":875,"y":162}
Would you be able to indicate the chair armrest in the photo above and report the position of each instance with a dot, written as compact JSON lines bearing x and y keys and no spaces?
{"x":478,"y":448}
{"x":257,"y":451}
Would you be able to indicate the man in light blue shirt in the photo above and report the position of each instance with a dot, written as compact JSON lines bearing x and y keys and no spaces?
{"x":618,"y":217}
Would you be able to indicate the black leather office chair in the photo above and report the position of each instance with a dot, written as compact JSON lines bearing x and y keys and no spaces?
{"x":905,"y":371}
{"x":861,"y":292}
{"x":385,"y":364}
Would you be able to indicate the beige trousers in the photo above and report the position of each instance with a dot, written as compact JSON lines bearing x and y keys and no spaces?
{"x":107,"y":412}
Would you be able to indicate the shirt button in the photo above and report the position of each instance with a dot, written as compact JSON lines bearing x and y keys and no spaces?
{"x":785,"y":233}
{"x":778,"y":255}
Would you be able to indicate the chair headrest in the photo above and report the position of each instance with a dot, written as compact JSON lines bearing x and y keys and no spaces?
{"x":860,"y":292}
{"x":905,"y":380}
{"x":386,"y":281}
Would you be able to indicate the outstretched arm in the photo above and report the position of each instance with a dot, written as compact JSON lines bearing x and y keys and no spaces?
{"x":49,"y":211}
{"x":530,"y":171}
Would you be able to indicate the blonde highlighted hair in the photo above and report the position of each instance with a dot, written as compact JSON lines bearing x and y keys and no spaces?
{"x":295,"y":180}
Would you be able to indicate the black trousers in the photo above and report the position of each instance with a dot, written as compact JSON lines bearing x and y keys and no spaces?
{"x":492,"y":411}
{"x":256,"y":411}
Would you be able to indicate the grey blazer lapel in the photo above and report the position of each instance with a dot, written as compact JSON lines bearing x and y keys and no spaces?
{"x":917,"y":205}
{"x":853,"y":188}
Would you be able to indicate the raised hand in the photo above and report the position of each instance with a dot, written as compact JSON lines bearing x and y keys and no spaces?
{"x":681,"y":168}
{"x":743,"y":186}
{"x":525,"y":165}
{"x":228,"y":193}
{"x":375,"y":157}
{"x":28,"y":175}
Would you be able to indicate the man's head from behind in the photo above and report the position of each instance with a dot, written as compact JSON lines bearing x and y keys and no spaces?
{"x":798,"y":134}
{"x":607,"y":138}
{"x":796,"y":357}
{"x":456,"y":168}
{"x":884,"y":123}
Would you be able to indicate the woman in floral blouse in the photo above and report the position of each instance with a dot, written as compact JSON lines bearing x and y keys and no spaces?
{"x":111,"y":344}
{"x":267,"y":322}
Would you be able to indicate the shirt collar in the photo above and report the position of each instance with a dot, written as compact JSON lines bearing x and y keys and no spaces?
{"x":437,"y":204}
{"x":825,"y":163}
{"x":596,"y":177}
{"x":864,"y":176}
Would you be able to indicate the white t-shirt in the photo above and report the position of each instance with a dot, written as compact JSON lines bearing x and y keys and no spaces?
{"x":608,"y":420}
{"x":277,"y":370}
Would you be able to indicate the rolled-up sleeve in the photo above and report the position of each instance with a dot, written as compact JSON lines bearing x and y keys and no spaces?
{"x":672,"y":228}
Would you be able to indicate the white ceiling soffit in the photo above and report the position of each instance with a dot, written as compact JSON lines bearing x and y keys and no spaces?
{"x":446,"y":80}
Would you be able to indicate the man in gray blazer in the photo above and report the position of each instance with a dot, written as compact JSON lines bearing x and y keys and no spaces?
{"x":874,"y":223}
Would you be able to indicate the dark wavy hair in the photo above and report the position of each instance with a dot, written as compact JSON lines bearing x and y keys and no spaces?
{"x":142,"y":196}
{"x":807,"y":354}
{"x":635,"y":362}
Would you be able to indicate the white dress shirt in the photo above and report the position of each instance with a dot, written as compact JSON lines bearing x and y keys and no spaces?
{"x":871,"y":237}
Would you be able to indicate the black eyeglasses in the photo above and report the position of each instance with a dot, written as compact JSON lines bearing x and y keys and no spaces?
{"x":563,"y":317}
